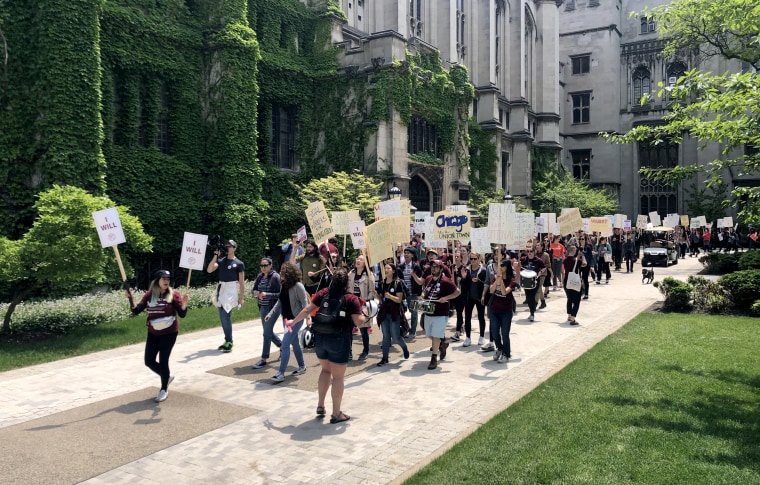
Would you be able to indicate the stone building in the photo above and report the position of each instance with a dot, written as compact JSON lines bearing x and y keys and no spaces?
{"x":511,"y":51}
{"x":608,"y":60}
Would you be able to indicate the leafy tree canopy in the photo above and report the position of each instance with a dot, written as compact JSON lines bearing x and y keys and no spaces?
{"x":555,"y":194}
{"x":342,"y":191}
{"x":711,"y":108}
{"x":63,"y":248}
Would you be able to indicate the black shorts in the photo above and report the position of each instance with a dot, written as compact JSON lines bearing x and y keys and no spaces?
{"x":333,"y":348}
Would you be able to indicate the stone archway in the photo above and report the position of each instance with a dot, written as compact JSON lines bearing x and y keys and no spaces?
{"x":426,"y":187}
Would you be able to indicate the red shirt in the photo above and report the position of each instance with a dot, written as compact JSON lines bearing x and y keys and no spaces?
{"x":352,"y":302}
{"x":502,"y":303}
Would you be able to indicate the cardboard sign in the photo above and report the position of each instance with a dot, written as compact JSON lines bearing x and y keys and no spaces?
{"x":419,"y":221}
{"x":451,"y":226}
{"x":671,"y":220}
{"x":319,"y":222}
{"x":627,"y":225}
{"x":694,"y":223}
{"x":641,"y":221}
{"x":685,"y":221}
{"x":109,"y":227}
{"x":399,"y":227}
{"x":340,"y":220}
{"x":585,"y":225}
{"x":388,"y":208}
{"x":540,"y":225}
{"x":551,"y":221}
{"x":601,"y":225}
{"x":525,"y":226}
{"x":570,"y":221}
{"x":479,"y":240}
{"x":356,"y":230}
{"x":193,"y":251}
{"x":728,"y":221}
{"x":720,"y":223}
{"x":301,"y":235}
{"x":430,"y":240}
{"x":654,"y":217}
{"x":500,"y":222}
{"x":379,"y":241}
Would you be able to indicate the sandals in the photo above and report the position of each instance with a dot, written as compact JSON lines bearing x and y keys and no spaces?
{"x":339,"y":418}
{"x":321,"y":411}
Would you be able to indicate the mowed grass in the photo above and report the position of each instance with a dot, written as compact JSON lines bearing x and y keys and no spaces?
{"x":87,"y":339}
{"x":668,"y":399}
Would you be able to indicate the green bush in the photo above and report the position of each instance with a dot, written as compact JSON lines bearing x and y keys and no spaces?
{"x":755,"y":310}
{"x":719,"y":263}
{"x":61,"y":316}
{"x":709,"y":296}
{"x":742,"y":287}
{"x":749,"y":260}
{"x":677,"y":293}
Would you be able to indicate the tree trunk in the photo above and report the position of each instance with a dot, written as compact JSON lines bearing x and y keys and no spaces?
{"x":12,"y":306}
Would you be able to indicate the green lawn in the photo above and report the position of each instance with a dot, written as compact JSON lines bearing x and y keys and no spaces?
{"x":668,"y":399}
{"x":84,"y":340}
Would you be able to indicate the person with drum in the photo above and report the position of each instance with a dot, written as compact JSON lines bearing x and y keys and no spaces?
{"x":532,"y":268}
{"x":439,"y":290}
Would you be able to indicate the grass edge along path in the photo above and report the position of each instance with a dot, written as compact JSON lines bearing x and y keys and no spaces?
{"x":668,"y":398}
{"x":94,"y":338}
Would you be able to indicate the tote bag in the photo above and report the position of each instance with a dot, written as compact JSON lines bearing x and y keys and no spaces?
{"x":574,"y":279}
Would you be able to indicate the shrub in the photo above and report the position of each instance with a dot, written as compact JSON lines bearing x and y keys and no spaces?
{"x":677,"y":293}
{"x":755,"y":310}
{"x":61,"y":316}
{"x":719,"y":263}
{"x":709,"y":296}
{"x":749,"y":260}
{"x":742,"y":287}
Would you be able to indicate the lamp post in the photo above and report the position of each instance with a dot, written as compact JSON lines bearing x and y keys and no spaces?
{"x":394,"y":193}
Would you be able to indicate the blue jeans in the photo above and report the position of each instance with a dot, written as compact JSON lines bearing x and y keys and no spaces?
{"x":415,"y":315}
{"x":269,"y":335}
{"x":500,"y":325}
{"x":391,"y":329}
{"x":226,"y":318}
{"x":288,"y":339}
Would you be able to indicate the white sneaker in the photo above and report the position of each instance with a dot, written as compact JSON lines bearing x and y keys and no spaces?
{"x":278,"y":378}
{"x":466,"y":342}
{"x":481,"y":341}
{"x":162,"y":395}
{"x":497,"y":355}
{"x":299,"y":371}
{"x":531,"y":318}
{"x":488,"y":347}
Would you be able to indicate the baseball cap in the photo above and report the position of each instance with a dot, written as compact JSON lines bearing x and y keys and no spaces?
{"x":162,"y":273}
{"x":431,"y":250}
{"x":231,"y":243}
{"x":438,"y":262}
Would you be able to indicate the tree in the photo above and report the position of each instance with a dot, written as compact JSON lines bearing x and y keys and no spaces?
{"x":554,"y":195}
{"x":63,"y":248}
{"x":710,"y":108}
{"x":343,"y":191}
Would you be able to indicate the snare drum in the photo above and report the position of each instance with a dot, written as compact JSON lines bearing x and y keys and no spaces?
{"x":423,"y":306}
{"x":528,"y":279}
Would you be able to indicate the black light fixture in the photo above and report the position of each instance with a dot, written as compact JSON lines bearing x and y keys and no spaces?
{"x":508,"y":198}
{"x":394,"y":193}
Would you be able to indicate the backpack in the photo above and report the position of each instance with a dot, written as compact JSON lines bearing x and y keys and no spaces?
{"x":330,"y":318}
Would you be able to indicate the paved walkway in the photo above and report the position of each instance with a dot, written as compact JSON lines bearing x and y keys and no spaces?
{"x":393,"y":408}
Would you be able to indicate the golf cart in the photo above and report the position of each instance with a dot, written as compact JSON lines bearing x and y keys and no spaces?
{"x":661,"y":249}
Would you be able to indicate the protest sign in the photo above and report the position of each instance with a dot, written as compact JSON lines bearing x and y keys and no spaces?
{"x":456,"y":208}
{"x":525,"y":226}
{"x":570,"y":221}
{"x":627,"y":225}
{"x":356,"y":230}
{"x":340,"y":220}
{"x":109,"y":227}
{"x":193,"y":251}
{"x":551,"y":222}
{"x":388,"y":208}
{"x":728,"y":221}
{"x":540,"y":225}
{"x":585,"y":224}
{"x":399,"y":228}
{"x":419,"y":221}
{"x":319,"y":222}
{"x":641,"y":221}
{"x":110,"y":233}
{"x":685,"y":220}
{"x":301,"y":235}
{"x":671,"y":220}
{"x":479,"y":240}
{"x":601,"y":225}
{"x":379,"y":242}
{"x":451,"y":226}
{"x":654,"y":218}
{"x":618,"y":222}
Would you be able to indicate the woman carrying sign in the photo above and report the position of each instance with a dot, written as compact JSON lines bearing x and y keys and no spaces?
{"x":164,"y":305}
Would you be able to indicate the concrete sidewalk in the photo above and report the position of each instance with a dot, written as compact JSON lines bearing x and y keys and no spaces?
{"x":393,"y":409}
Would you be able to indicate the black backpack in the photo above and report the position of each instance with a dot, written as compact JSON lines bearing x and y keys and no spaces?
{"x":331,"y":316}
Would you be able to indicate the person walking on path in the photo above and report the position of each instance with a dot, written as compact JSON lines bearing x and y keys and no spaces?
{"x":473,"y":281}
{"x":531,"y":263}
{"x":502,"y":309}
{"x":164,"y":305}
{"x":292,"y":299}
{"x":391,"y":293}
{"x":312,"y":265}
{"x":557,"y":250}
{"x":409,"y":268}
{"x":440,"y":290}
{"x":629,"y":253}
{"x":332,"y":349}
{"x":603,"y":252}
{"x":266,"y":289}
{"x":572,"y":264}
{"x":587,"y":248}
{"x":231,"y":288}
{"x":362,"y":284}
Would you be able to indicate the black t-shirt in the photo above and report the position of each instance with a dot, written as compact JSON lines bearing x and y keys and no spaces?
{"x":229,"y":269}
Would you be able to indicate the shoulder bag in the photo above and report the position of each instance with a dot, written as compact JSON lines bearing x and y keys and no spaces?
{"x":574,"y":279}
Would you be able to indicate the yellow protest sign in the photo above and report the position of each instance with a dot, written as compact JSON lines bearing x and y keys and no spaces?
{"x":379,"y":241}
{"x":570,"y":221}
{"x":319,"y":222}
{"x":340,"y":220}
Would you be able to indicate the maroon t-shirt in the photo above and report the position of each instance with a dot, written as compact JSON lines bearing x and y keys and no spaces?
{"x":434,"y":290}
{"x":502,"y":303}
{"x":161,"y":308}
{"x":352,"y":302}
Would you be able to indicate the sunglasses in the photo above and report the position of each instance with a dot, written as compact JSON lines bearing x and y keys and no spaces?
{"x":473,"y":259}
{"x":529,"y":251}
{"x":264,"y":265}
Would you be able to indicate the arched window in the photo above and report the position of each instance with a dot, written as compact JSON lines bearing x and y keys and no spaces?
{"x":675,"y":70}
{"x":641,"y":83}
